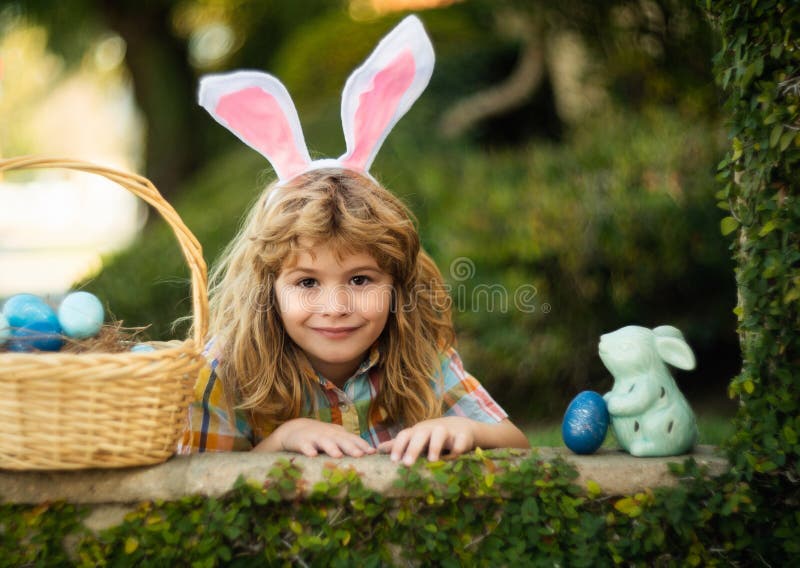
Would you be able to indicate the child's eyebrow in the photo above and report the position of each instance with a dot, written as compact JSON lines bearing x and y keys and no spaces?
{"x":302,"y":269}
{"x":365,"y":268}
{"x":311,"y":270}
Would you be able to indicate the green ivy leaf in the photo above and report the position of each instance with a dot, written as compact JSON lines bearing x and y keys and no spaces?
{"x":738,"y":149}
{"x":790,"y":435}
{"x":728,"y":225}
{"x":131,"y":544}
{"x":792,"y":295}
{"x":628,"y":506}
{"x":529,"y":512}
{"x":786,"y":139}
{"x":775,"y":135}
{"x":766,"y":466}
{"x":768,"y":227}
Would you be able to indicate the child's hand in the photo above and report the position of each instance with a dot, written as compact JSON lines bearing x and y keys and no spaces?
{"x":451,"y":433}
{"x":309,"y":437}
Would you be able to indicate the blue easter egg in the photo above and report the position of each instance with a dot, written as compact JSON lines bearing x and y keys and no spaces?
{"x":142,"y":348}
{"x":81,"y":315}
{"x":33,"y":323}
{"x":585,"y":423}
{"x":5,"y":329}
{"x":24,"y":307}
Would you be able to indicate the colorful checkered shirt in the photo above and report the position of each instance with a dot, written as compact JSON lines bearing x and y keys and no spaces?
{"x":209,"y":428}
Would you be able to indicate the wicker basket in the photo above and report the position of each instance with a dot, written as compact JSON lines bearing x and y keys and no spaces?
{"x":74,"y":411}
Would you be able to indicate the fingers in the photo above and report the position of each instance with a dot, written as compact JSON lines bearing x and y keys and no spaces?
{"x":400,"y":443}
{"x":431,"y":436}
{"x":307,"y":449}
{"x":410,"y":443}
{"x":417,"y":443}
{"x":355,"y":446}
{"x":438,"y":439}
{"x":330,"y":447}
{"x":311,"y":437}
{"x":438,"y":434}
{"x":364,"y":445}
{"x":461,"y":443}
{"x":346,"y":445}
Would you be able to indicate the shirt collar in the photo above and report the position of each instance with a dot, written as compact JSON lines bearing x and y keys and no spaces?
{"x":372,"y":358}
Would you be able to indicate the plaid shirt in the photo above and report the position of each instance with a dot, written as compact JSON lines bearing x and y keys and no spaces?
{"x":209,"y":428}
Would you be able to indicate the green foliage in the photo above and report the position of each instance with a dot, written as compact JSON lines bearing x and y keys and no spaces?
{"x":617,"y":226}
{"x":483,"y":509}
{"x":37,"y":535}
{"x":612,"y":227}
{"x":561,"y":243}
{"x":758,"y":67}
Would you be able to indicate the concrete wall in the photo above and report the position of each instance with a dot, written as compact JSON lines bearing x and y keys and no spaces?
{"x":111,"y":493}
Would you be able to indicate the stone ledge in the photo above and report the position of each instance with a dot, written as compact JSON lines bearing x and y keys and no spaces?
{"x":212,"y":475}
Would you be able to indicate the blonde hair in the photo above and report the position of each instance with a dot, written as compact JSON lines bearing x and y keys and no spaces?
{"x":260,"y":366}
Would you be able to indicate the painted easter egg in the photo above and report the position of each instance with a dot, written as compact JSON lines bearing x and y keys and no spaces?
{"x":585,"y":423}
{"x":5,"y":330}
{"x":34,"y":325}
{"x":142,"y":348}
{"x":81,"y":315}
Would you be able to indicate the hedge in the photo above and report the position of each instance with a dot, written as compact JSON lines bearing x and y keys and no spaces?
{"x":759,"y":69}
{"x":482,"y":509}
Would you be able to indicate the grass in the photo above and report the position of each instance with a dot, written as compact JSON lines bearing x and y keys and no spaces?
{"x":714,"y":430}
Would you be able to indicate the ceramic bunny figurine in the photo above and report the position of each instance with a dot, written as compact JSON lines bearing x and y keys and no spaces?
{"x":649,"y":415}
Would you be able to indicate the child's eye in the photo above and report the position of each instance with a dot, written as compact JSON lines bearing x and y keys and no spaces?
{"x":360,"y":280}
{"x":306,"y":283}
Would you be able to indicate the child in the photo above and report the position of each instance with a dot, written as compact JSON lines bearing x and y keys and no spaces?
{"x":331,"y":326}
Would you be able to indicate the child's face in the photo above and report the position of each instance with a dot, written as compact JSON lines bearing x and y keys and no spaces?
{"x":333,"y":309}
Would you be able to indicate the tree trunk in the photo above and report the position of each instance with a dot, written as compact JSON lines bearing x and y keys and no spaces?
{"x":517,"y":89}
{"x":164,"y":87}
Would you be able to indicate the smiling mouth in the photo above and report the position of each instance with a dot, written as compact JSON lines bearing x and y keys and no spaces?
{"x":335,"y":332}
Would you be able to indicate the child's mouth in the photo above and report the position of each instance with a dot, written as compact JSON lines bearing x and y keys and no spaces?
{"x":335,"y":332}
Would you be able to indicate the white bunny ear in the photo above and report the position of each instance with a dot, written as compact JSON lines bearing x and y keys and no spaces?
{"x":381,"y":91}
{"x":257,"y":108}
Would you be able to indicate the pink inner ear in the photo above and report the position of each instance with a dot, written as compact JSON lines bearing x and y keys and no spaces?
{"x":377,"y":106}
{"x":260,"y":121}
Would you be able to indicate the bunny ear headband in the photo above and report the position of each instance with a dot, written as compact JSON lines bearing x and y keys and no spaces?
{"x":257,"y":108}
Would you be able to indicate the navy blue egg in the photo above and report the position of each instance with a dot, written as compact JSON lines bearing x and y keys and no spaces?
{"x":41,"y":335}
{"x":585,"y":423}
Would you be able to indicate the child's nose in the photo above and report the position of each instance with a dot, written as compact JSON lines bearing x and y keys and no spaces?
{"x":337,"y":300}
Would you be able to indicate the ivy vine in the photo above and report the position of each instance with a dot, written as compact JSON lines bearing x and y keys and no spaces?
{"x":758,"y":68}
{"x":482,"y":509}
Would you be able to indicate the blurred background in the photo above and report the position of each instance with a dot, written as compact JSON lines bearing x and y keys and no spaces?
{"x":561,"y":165}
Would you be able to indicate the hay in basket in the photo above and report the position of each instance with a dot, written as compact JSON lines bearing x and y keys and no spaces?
{"x":102,"y":410}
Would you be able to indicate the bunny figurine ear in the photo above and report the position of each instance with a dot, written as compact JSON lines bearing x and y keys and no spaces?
{"x":381,"y":91}
{"x":257,"y":108}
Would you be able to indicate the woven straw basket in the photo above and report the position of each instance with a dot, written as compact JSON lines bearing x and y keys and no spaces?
{"x":74,"y":411}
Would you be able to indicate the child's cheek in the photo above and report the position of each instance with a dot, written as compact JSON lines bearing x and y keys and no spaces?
{"x":290,"y":300}
{"x":376,"y":299}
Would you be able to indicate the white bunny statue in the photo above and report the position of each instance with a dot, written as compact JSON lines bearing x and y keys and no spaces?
{"x":649,"y":414}
{"x":257,"y":108}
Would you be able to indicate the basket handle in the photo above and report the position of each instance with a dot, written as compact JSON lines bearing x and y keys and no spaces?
{"x":143,"y":188}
